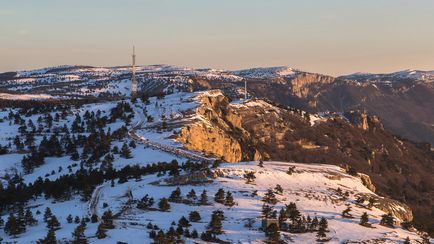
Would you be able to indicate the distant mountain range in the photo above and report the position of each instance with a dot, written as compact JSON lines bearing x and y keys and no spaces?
{"x":403,"y":100}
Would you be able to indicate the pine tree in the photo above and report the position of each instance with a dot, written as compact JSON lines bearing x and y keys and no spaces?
{"x":321,"y":234}
{"x":175,"y":196}
{"x":278,"y":189}
{"x":107,"y":219}
{"x":346,"y":213}
{"x":125,"y":151}
{"x":290,"y":170}
{"x":407,"y":241}
{"x":50,"y":238}
{"x":160,"y":238}
{"x":152,"y":234}
{"x":47,"y":214}
{"x":179,"y":231}
{"x":215,"y":225}
{"x":194,"y":216}
{"x":164,"y":204}
{"x":77,"y":219}
{"x":69,"y":219}
{"x":364,"y":220}
{"x":314,"y":224}
{"x":266,"y":210}
{"x":220,"y":196}
{"x":94,"y":218}
{"x":323,"y":226}
{"x":132,"y":144}
{"x":53,"y":223}
{"x":292,"y":212}
{"x":261,"y":164}
{"x":250,"y":177}
{"x":183,"y":222}
{"x":270,"y":197}
{"x":192,"y":195}
{"x":12,"y":226}
{"x":194,"y":234}
{"x":78,"y":234}
{"x":145,"y":202}
{"x":387,"y":220}
{"x":272,"y":232}
{"x":229,"y":199}
{"x":203,"y":198}
{"x":101,"y":231}
{"x":282,"y":216}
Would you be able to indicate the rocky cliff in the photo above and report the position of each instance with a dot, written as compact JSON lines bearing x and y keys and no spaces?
{"x":255,"y":129}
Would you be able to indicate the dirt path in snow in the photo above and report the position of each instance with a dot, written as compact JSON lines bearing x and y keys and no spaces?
{"x":93,"y":202}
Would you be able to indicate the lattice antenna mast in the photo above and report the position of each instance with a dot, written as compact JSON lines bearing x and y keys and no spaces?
{"x":134,"y":80}
{"x":245,"y":89}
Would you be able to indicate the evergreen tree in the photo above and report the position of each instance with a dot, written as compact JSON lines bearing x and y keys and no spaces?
{"x":94,"y":218}
{"x":272,"y":232}
{"x":266,"y":210}
{"x":270,"y":197}
{"x":69,"y":219}
{"x":290,"y":170}
{"x":346,"y":213}
{"x":203,"y":198}
{"x":292,"y":212}
{"x":261,"y":164}
{"x":152,"y":234}
{"x":132,"y":144}
{"x":164,"y":204}
{"x":179,"y":231}
{"x":107,"y":219}
{"x":364,"y":220}
{"x":125,"y":151}
{"x":215,"y":225}
{"x":78,"y":234}
{"x":278,"y":189}
{"x":183,"y":222}
{"x":21,"y":218}
{"x":229,"y":199}
{"x":101,"y":231}
{"x":53,"y":223}
{"x":387,"y":220}
{"x":47,"y":214}
{"x":13,"y":227}
{"x":323,"y":226}
{"x":192,"y":195}
{"x":175,"y":196}
{"x":220,"y":196}
{"x":145,"y":202}
{"x":250,"y":177}
{"x":321,"y":234}
{"x":77,"y":219}
{"x":407,"y":241}
{"x":194,"y":216}
{"x":194,"y":234}
{"x":160,"y":238}
{"x":50,"y":238}
{"x":314,"y":224}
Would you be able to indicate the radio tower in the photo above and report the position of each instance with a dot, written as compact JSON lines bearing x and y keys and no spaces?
{"x":134,"y":80}
{"x":245,"y":89}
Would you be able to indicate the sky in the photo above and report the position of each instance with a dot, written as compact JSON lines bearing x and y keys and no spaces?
{"x":332,"y":37}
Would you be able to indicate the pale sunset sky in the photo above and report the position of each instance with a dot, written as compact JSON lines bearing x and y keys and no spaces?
{"x":333,"y":37}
